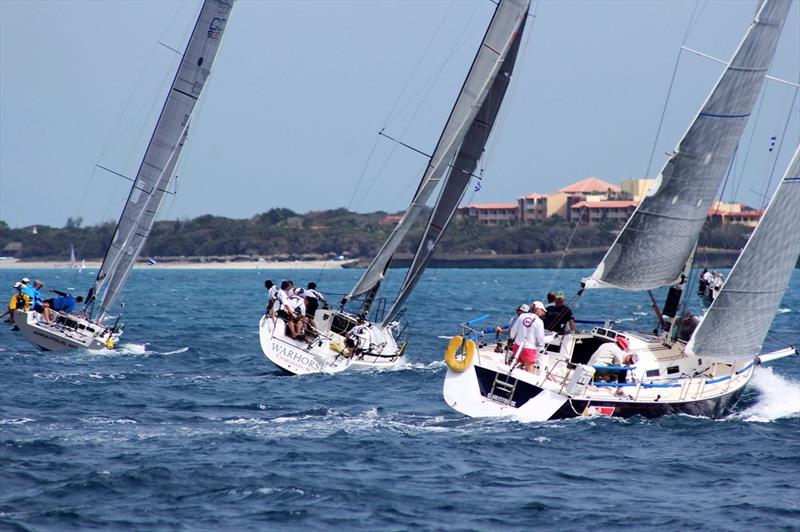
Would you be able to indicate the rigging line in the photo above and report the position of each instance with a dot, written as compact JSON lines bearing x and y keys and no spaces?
{"x":778,"y":151}
{"x":412,"y":148}
{"x":429,"y":86}
{"x":692,"y":21}
{"x":738,"y":183}
{"x":417,"y":66}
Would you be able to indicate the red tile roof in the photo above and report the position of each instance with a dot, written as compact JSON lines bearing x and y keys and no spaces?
{"x":590,"y":184}
{"x":604,"y":204}
{"x":492,"y":206}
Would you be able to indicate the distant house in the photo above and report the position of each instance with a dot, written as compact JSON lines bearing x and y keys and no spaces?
{"x":595,"y":212}
{"x":490,"y":213}
{"x":391,"y":219}
{"x":12,"y":249}
{"x":532,"y":208}
{"x":734,"y":213}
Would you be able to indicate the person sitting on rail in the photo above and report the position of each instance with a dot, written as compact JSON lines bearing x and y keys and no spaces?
{"x":272,"y":295}
{"x":359,"y":339}
{"x":283,"y":310}
{"x":18,"y":301}
{"x":63,"y":303}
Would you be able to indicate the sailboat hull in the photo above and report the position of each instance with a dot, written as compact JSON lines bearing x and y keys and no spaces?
{"x":323,"y":352}
{"x":69,"y":332}
{"x":491,"y":388}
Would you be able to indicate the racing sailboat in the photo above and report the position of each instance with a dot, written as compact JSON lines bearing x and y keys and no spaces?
{"x":702,"y":373}
{"x":88,"y":330}
{"x":343,"y":339}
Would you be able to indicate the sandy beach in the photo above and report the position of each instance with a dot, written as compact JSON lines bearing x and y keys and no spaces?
{"x":238,"y":265}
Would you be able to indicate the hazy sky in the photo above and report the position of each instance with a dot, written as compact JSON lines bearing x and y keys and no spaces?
{"x":300,"y":90}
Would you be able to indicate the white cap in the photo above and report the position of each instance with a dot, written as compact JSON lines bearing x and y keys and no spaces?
{"x":25,"y":280}
{"x":524,"y":308}
{"x":538,"y":304}
{"x":18,"y":285}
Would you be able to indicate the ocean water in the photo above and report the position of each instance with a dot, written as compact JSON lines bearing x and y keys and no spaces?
{"x":188,"y":426}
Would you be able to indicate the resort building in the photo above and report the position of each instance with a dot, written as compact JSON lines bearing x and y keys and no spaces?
{"x":490,"y":213}
{"x":595,"y":212}
{"x":532,"y":208}
{"x":734,"y":213}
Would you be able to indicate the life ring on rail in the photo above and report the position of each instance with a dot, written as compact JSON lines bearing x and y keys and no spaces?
{"x":456,"y":345}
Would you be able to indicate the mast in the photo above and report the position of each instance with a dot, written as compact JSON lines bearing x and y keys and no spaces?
{"x":739,"y":318}
{"x":162,"y":153}
{"x":658,"y":238}
{"x":507,"y":18}
{"x":459,"y":175}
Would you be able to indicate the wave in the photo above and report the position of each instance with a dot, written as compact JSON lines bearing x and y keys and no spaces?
{"x":784,"y":310}
{"x":779,"y":397}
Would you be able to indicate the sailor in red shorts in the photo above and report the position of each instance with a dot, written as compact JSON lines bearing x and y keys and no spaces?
{"x":528,"y":334}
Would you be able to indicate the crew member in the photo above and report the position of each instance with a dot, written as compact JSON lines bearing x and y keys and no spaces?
{"x":612,"y":354}
{"x":528,"y":335}
{"x":558,"y":316}
{"x":17,"y":301}
{"x":272,"y":294}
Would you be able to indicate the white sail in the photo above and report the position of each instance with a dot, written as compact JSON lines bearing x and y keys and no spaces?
{"x":657,"y":240}
{"x":459,"y":175}
{"x":162,"y":152}
{"x":499,"y":37}
{"x":72,"y":263}
{"x":740,"y":316}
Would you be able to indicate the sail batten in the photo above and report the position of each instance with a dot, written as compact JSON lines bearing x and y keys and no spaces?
{"x":499,"y":36}
{"x":657,"y":239}
{"x":736,"y":323}
{"x":162,"y":153}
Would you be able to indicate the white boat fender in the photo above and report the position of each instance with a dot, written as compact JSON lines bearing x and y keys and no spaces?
{"x":457,"y":346}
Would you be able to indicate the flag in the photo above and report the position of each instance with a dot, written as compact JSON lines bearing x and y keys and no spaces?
{"x":151,"y":261}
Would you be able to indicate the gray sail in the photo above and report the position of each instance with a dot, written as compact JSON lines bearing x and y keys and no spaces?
{"x":459,"y":175}
{"x":658,"y":238}
{"x":162,"y":152}
{"x":507,"y":19}
{"x":739,"y":318}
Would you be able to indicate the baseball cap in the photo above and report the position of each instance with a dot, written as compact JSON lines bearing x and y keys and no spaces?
{"x":538,"y":304}
{"x":524,"y":308}
{"x":559,"y":295}
{"x":622,"y":342}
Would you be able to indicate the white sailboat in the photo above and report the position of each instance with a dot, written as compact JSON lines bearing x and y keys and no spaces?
{"x":88,"y":330}
{"x":379,"y":343}
{"x":73,"y":263}
{"x":706,"y":374}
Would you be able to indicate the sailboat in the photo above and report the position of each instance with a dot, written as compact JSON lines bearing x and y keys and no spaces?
{"x":88,"y":330}
{"x":343,"y":339}
{"x":73,"y":263}
{"x":703,"y":373}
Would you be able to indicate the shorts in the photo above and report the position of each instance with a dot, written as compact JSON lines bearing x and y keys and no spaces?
{"x":528,"y":354}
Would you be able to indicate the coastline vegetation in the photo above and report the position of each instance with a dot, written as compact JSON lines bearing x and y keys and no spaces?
{"x":282,"y":233}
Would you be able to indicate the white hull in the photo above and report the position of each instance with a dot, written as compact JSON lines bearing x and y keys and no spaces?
{"x":664,"y":381}
{"x":69,"y":332}
{"x":324,"y":352}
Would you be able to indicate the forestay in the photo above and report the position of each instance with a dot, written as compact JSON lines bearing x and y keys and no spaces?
{"x":162,"y":152}
{"x":459,"y":175}
{"x":738,"y":320}
{"x":657,"y":240}
{"x":508,"y":17}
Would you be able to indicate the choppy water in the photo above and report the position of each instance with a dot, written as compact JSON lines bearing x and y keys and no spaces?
{"x":188,"y":426}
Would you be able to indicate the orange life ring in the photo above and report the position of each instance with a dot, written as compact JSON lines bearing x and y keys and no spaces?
{"x":459,"y":353}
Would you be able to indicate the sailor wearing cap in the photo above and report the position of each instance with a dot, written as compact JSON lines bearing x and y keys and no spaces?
{"x":528,"y":334}
{"x":17,"y":301}
{"x":613,"y":354}
{"x":559,"y":316}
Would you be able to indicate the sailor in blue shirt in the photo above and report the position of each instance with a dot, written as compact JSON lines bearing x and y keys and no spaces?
{"x":29,"y":290}
{"x":65,"y":303}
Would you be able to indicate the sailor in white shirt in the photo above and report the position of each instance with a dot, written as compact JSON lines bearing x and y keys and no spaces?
{"x":528,"y":334}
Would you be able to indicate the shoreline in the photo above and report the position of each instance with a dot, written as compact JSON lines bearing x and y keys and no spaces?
{"x":238,"y":265}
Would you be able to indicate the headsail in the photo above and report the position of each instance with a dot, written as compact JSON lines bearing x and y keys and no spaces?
{"x":508,"y":18}
{"x":162,"y":152}
{"x":658,"y":238}
{"x":738,"y":320}
{"x":459,"y":175}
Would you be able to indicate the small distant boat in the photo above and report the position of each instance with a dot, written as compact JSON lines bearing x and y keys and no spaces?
{"x":72,"y":262}
{"x":703,"y":374}
{"x":452,"y":164}
{"x":88,"y":330}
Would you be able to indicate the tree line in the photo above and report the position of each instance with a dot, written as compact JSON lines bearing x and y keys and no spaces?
{"x":282,"y":233}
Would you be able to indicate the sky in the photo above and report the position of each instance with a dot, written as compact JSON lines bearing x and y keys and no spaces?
{"x":299,"y":91}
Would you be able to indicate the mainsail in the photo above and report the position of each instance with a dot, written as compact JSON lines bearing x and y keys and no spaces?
{"x":162,"y":153}
{"x":658,"y":238}
{"x":500,"y":36}
{"x":738,"y":320}
{"x":459,"y":175}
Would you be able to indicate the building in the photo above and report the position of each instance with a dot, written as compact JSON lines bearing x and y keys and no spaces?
{"x":636,"y":188}
{"x":532,"y":207}
{"x":595,"y":212}
{"x":490,"y":213}
{"x":734,"y":213}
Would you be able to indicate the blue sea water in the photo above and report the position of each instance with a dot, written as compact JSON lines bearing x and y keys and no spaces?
{"x":188,"y":426}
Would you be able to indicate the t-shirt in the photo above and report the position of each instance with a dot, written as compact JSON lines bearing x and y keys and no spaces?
{"x":528,"y":331}
{"x":608,"y":354}
{"x":64,"y":303}
{"x":297,"y":305}
{"x":557,"y":317}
